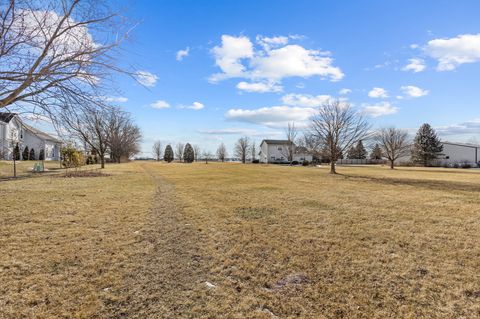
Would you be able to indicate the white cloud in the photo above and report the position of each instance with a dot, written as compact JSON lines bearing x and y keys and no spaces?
{"x":413,"y":91}
{"x":453,"y":52}
{"x":416,"y":65}
{"x":378,"y":93}
{"x":294,"y":61}
{"x":231,"y":131}
{"x":344,"y":91}
{"x":275,"y":116}
{"x":380,"y":109}
{"x":182,"y":53}
{"x":228,"y":56}
{"x":116,"y":99}
{"x":195,"y":106}
{"x":160,"y":104}
{"x":305,"y":100}
{"x":146,"y":78}
{"x":468,"y":127}
{"x":414,"y":46}
{"x":259,"y":87}
{"x":273,"y":61}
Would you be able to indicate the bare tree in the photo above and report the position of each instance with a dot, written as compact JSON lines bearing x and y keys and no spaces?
{"x":222,"y":152}
{"x":393,"y":143}
{"x":123,"y":136}
{"x":253,"y":150}
{"x":196,"y":151}
{"x":339,"y":127}
{"x":241,"y":148}
{"x":288,"y":150}
{"x":207,"y":155}
{"x":157,"y":150}
{"x":89,"y":125}
{"x":50,"y":60}
{"x":179,"y":148}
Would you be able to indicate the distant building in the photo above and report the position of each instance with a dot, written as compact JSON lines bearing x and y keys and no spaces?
{"x":453,"y":153}
{"x":14,"y":131}
{"x":277,"y":151}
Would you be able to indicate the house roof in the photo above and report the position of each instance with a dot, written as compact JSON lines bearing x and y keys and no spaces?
{"x":41,"y":134}
{"x":7,"y":116}
{"x":279,"y":142}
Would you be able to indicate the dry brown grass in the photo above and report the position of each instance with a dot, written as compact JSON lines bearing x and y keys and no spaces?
{"x":24,"y":168}
{"x":291,"y":242}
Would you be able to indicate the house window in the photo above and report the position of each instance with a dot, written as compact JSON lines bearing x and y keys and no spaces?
{"x":272,"y":157}
{"x":279,"y":148}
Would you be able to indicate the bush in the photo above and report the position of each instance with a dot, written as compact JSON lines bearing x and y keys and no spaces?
{"x":71,"y":157}
{"x":188,"y":153}
{"x":41,"y":155}
{"x":255,"y":161}
{"x":25,"y":154}
{"x":455,"y":165}
{"x":16,"y":152}
{"x":305,"y":163}
{"x":32,"y":155}
{"x":168,"y":154}
{"x":466,"y":165}
{"x":295,"y":163}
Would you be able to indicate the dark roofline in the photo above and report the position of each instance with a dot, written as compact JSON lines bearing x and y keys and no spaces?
{"x":464,"y":145}
{"x":281,"y":142}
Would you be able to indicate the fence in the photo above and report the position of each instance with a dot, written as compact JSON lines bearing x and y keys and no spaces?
{"x":365,"y":161}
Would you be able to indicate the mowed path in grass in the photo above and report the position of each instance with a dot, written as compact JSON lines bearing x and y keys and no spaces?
{"x":290,"y":242}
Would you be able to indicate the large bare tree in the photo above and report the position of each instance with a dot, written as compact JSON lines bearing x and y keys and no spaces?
{"x":393,"y":143}
{"x":89,"y":125}
{"x":179,"y":148}
{"x":123,"y":136}
{"x":242,"y":147}
{"x":56,"y":54}
{"x":221,"y":152}
{"x":157,"y":150}
{"x":338,"y":126}
{"x":288,"y":150}
{"x":196,"y":151}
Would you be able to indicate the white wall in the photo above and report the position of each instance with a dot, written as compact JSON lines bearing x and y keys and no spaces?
{"x":453,"y":153}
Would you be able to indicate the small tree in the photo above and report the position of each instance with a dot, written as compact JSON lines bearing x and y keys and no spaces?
{"x":393,"y":144}
{"x":221,"y":152}
{"x":71,"y":157}
{"x":188,"y":153}
{"x":41,"y":155}
{"x":241,"y":148}
{"x":376,"y":153}
{"x":168,"y":154}
{"x":16,"y":152}
{"x":357,"y":152}
{"x":288,"y":150}
{"x":25,"y":154}
{"x":426,"y":146}
{"x":32,"y":155}
{"x":207,"y":156}
{"x":157,"y":150}
{"x":253,"y":150}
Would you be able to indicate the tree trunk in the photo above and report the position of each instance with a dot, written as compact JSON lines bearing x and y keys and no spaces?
{"x":332,"y":168}
{"x":392,"y":164}
{"x":102,"y":161}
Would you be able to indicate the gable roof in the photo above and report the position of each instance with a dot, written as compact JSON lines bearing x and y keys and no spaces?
{"x":7,"y":116}
{"x":276,"y":142}
{"x":41,"y":134}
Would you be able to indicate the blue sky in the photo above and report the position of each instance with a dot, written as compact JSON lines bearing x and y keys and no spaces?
{"x":217,"y":70}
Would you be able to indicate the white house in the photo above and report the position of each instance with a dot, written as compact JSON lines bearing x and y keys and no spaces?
{"x":13,"y":130}
{"x":277,"y":151}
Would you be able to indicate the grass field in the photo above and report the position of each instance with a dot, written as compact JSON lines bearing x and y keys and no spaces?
{"x":24,"y":168}
{"x":155,"y":240}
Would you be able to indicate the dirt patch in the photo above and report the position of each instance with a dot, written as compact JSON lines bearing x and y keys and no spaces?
{"x":92,"y":173}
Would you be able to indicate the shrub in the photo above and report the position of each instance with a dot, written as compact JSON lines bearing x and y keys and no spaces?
{"x":255,"y":161}
{"x":32,"y":155}
{"x":168,"y":154}
{"x":25,"y":154}
{"x":466,"y":165}
{"x":41,"y":155}
{"x":295,"y":163}
{"x":305,"y":163}
{"x":455,"y":165}
{"x":71,"y":157}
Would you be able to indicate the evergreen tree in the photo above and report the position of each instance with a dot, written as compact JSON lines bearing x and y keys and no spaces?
{"x":376,"y":153}
{"x":32,"y":155}
{"x":41,"y":155}
{"x":16,"y":152}
{"x":361,"y":151}
{"x":426,"y":146}
{"x":188,"y":153}
{"x":168,"y":154}
{"x":25,"y":154}
{"x":352,"y":153}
